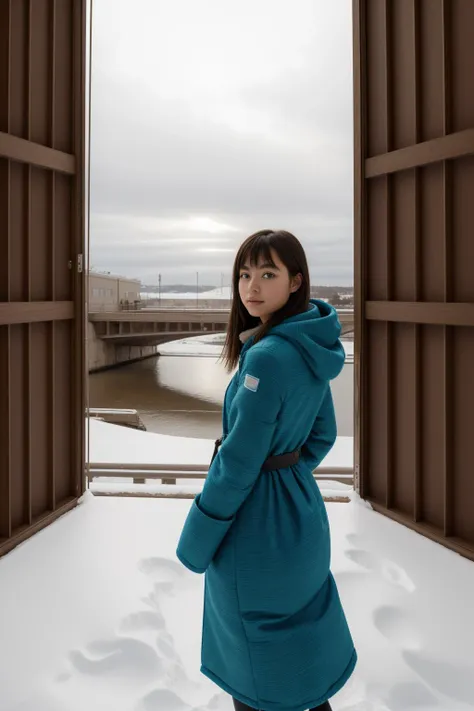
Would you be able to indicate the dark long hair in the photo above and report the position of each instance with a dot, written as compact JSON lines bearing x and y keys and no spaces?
{"x":258,"y":246}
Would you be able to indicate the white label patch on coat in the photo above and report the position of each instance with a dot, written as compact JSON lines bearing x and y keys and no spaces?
{"x":251,"y":383}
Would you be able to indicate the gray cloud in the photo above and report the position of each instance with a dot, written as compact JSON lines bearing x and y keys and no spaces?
{"x":169,"y":179}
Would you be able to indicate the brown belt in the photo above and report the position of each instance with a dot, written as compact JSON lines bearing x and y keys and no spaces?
{"x":277,"y":461}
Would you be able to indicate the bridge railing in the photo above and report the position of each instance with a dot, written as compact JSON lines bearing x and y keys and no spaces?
{"x":175,"y":305}
{"x":169,"y":473}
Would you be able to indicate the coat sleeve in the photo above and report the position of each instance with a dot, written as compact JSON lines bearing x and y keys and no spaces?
{"x":323,"y":433}
{"x":254,"y":411}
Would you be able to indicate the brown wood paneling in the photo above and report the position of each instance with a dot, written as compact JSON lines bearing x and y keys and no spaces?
{"x":62,"y":217}
{"x":431,"y":67}
{"x":63,"y":59}
{"x":403,"y":421}
{"x":462,"y":452}
{"x":462,"y":245}
{"x":18,"y":149}
{"x":455,"y":145}
{"x":432,"y":425}
{"x":460,"y":25}
{"x":5,"y":434}
{"x":402,"y":43}
{"x":19,"y":416}
{"x":31,"y":311}
{"x":40,"y":234}
{"x":42,"y":372}
{"x":40,"y":408}
{"x":377,"y":259}
{"x":41,"y":71}
{"x":432,"y":266}
{"x":451,"y":314}
{"x":414,"y":217}
{"x":63,"y":435}
{"x":377,"y":422}
{"x":78,"y":215}
{"x":17,"y":106}
{"x":4,"y":68}
{"x":18,"y":274}
{"x":404,"y":224}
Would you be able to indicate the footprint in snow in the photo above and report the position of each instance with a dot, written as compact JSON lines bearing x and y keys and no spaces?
{"x":411,"y":695}
{"x":155,"y":597}
{"x":166,"y":647}
{"x":220,"y":702}
{"x":161,"y":570}
{"x":355,"y":540}
{"x":63,"y":676}
{"x":122,"y":658}
{"x":390,"y":571}
{"x":143,"y":621}
{"x":454,"y":680}
{"x":397,"y":626}
{"x":363,"y":558}
{"x":348,"y":578}
{"x":162,"y":700}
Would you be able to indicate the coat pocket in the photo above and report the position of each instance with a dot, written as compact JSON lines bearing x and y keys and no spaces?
{"x":200,"y":538}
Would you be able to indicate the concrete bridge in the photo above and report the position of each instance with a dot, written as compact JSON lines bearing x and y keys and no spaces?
{"x":150,"y":327}
{"x":117,"y":337}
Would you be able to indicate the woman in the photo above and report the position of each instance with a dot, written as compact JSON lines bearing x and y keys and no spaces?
{"x":274,"y":632}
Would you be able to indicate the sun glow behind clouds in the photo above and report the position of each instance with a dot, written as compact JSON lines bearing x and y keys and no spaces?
{"x":206,"y":224}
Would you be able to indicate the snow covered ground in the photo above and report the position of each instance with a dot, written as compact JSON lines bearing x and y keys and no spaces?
{"x":204,"y":346}
{"x":96,"y":614}
{"x":112,"y":443}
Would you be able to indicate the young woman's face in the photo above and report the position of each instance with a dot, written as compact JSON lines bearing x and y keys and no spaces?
{"x":265,"y":288}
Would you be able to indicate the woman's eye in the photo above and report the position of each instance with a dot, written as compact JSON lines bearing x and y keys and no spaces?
{"x":269,"y":275}
{"x":242,"y":276}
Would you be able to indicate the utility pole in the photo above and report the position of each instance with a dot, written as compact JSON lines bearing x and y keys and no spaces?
{"x":159,"y":290}
{"x":197,"y":290}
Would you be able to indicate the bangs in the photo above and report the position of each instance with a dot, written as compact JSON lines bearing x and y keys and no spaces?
{"x":258,"y":251}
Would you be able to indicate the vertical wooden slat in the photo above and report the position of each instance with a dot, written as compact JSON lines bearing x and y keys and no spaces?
{"x":417,"y":365}
{"x":52,"y":362}
{"x":5,"y":355}
{"x":52,"y":59}
{"x":417,"y":449}
{"x":5,"y":435}
{"x":88,"y":228}
{"x":448,"y":236}
{"x":390,"y":262}
{"x":78,"y":247}
{"x":5,"y":351}
{"x":28,"y":374}
{"x":389,"y":357}
{"x":360,"y":142}
{"x":52,"y":395}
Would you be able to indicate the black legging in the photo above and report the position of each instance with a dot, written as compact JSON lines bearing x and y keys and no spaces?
{"x":239,"y":706}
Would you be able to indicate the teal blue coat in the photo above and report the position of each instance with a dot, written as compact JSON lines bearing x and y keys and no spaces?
{"x":274,"y":632}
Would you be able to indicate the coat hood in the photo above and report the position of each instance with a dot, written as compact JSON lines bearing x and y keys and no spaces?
{"x":315,"y":334}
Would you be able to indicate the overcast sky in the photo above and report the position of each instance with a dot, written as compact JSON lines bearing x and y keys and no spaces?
{"x":212,"y":119}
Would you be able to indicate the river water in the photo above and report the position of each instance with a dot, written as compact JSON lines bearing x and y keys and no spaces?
{"x":183,"y":395}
